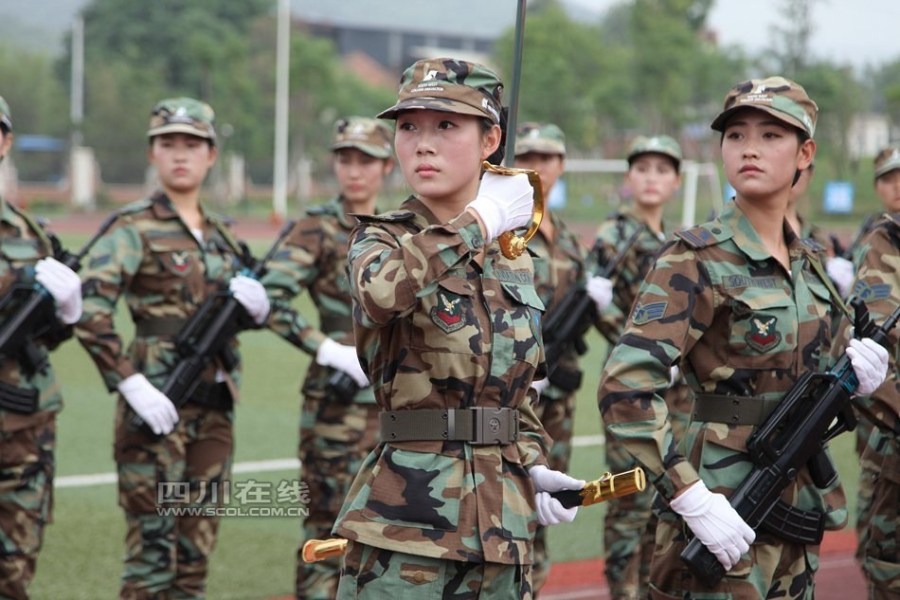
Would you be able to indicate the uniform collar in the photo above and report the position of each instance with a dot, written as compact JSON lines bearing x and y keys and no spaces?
{"x":747,"y":239}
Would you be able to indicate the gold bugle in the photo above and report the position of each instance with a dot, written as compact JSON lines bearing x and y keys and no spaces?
{"x":613,"y":486}
{"x":511,"y":244}
{"x":316,"y":550}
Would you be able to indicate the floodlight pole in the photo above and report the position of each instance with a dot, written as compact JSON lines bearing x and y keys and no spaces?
{"x":282,"y":64}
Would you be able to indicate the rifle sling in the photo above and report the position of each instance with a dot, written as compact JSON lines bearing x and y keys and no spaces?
{"x":732,"y":410}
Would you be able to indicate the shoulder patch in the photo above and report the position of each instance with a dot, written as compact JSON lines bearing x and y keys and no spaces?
{"x":702,"y":236}
{"x":644,"y":313}
{"x":394,"y":216}
{"x":871,"y":292}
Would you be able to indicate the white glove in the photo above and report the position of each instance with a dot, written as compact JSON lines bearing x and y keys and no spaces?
{"x":252,"y":295}
{"x":674,"y":375}
{"x":549,"y":510}
{"x":870,"y":363}
{"x":503,"y":203}
{"x":151,"y":405}
{"x":539,"y":385}
{"x":64,"y":285}
{"x":841,"y":272}
{"x":343,"y":358}
{"x":715,"y":523}
{"x":600,"y":289}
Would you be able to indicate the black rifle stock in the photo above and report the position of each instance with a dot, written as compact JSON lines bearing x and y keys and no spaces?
{"x":208,"y":333}
{"x":34,"y":315}
{"x":567,"y":325}
{"x":791,"y":437}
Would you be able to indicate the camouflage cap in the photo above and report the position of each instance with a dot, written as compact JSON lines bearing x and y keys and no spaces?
{"x":541,"y":138}
{"x":5,"y":117}
{"x":887,"y":160}
{"x":780,"y":97}
{"x":657,"y":144}
{"x":363,"y":133}
{"x":183,"y":115}
{"x":449,"y":85}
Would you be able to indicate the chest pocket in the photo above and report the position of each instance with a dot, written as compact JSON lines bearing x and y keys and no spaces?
{"x":763,"y":329}
{"x":524,"y":323}
{"x":173,"y":271}
{"x":447,"y":320}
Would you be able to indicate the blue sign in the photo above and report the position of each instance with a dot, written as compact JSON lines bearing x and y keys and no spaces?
{"x":838,"y":197}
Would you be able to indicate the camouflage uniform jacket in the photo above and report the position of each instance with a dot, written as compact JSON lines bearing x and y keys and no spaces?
{"x":719,"y":304}
{"x":558,"y":270}
{"x":22,"y":244}
{"x":878,"y":285}
{"x":435,"y":331}
{"x":611,"y":237}
{"x":150,"y":255}
{"x":313,"y":257}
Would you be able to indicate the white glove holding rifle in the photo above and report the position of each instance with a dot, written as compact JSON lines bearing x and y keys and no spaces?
{"x":343,"y":358}
{"x":503,"y":203}
{"x":64,"y":285}
{"x":715,"y":523}
{"x":150,"y":404}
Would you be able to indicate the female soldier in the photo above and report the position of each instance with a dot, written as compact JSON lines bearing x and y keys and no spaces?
{"x":743,"y":306}
{"x":29,"y":394}
{"x":167,"y":254}
{"x":558,"y":268}
{"x":879,"y":422}
{"x":653,"y":177}
{"x":448,"y":331}
{"x":339,"y":420}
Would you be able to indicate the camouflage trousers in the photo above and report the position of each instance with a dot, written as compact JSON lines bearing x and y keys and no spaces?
{"x":771,"y":569}
{"x":371,"y":573}
{"x":556,"y":415}
{"x":335,"y":438}
{"x":629,"y":525}
{"x":867,"y":478}
{"x":879,"y":543}
{"x":167,"y":555}
{"x":26,"y":500}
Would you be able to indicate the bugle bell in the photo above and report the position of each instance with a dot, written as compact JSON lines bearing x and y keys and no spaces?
{"x":513,"y":245}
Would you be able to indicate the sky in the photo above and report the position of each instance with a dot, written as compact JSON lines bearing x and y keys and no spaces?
{"x":857,"y":32}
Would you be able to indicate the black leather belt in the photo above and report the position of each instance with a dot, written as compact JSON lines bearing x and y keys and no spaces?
{"x":478,"y":426}
{"x":733,"y":410}
{"x":160,"y":327}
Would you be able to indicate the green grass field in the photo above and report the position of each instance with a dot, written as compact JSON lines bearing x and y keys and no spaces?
{"x":255,"y":557}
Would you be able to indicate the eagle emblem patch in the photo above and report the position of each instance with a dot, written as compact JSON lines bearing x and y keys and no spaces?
{"x":762,"y":335}
{"x":448,"y":314}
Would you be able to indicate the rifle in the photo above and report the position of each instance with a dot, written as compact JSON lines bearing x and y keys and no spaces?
{"x":792,"y":437}
{"x":34,"y":317}
{"x":567,"y":325}
{"x":208,"y":332}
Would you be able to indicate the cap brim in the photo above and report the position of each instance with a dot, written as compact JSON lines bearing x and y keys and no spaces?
{"x":180,"y":128}
{"x":719,"y":123}
{"x":891,"y":165}
{"x":540,"y":147}
{"x":439,"y":104}
{"x":370,"y":149}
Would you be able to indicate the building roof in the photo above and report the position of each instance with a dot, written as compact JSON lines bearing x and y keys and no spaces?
{"x":472,"y":18}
